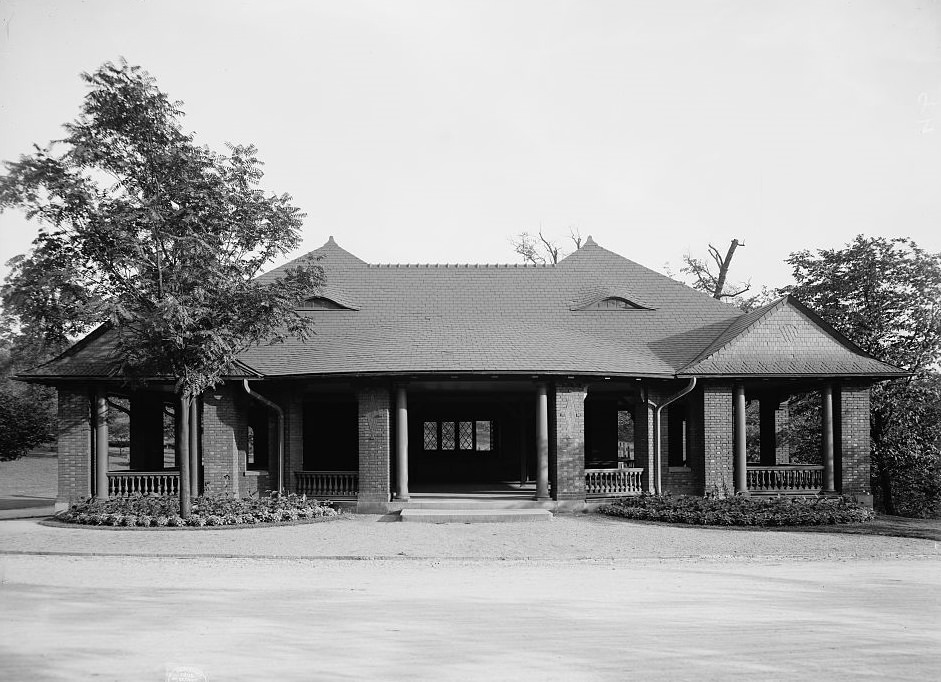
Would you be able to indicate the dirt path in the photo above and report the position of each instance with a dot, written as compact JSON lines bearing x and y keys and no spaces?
{"x":248,"y":619}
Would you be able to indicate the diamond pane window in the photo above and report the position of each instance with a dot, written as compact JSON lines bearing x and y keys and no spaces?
{"x":484,"y":434}
{"x":447,"y":435}
{"x":431,"y":435}
{"x":466,"y":435}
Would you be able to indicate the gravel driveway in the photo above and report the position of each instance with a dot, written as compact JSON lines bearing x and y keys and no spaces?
{"x":566,"y":537}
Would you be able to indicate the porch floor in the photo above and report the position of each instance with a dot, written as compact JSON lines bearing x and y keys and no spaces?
{"x":475,"y":491}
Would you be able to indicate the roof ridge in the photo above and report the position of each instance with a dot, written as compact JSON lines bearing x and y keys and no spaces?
{"x":759,"y":314}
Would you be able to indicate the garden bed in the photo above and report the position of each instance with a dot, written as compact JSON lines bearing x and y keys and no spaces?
{"x":740,"y":511}
{"x":153,"y":511}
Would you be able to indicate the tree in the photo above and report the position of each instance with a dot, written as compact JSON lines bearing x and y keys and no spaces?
{"x":155,"y":236}
{"x":713,"y":278}
{"x":885,"y":294}
{"x":539,"y":250}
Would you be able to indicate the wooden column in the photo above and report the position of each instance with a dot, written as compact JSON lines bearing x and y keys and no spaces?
{"x":826,"y":397}
{"x":741,"y":460}
{"x":401,"y":441}
{"x":100,"y":413}
{"x":194,"y":447}
{"x":542,"y":443}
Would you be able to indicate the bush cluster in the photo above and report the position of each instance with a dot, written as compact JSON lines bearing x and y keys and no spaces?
{"x":740,"y":511}
{"x":154,"y":510}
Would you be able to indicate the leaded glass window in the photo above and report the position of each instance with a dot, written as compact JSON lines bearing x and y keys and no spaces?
{"x":447,"y":435}
{"x":465,"y":435}
{"x":484,"y":435}
{"x":431,"y":435}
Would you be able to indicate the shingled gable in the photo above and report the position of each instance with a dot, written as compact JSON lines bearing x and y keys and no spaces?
{"x":785,"y":338}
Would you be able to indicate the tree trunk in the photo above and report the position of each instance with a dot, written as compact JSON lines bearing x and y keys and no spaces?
{"x":724,"y":271}
{"x":183,"y":454}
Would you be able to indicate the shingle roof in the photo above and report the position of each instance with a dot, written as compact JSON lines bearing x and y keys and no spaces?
{"x":785,"y":338}
{"x":497,"y":319}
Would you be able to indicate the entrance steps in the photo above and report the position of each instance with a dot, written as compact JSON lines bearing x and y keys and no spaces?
{"x":474,"y":515}
{"x":486,"y":508}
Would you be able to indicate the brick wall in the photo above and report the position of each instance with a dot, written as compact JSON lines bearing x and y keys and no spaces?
{"x":374,"y":432}
{"x":570,"y":442}
{"x":717,"y":439}
{"x":225,"y":439}
{"x":852,"y":442}
{"x":74,"y":444}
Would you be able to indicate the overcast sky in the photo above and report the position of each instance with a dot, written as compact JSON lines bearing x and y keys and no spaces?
{"x":434,"y":131}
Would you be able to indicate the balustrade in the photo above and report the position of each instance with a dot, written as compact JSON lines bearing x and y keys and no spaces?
{"x":327,"y":484}
{"x":613,"y":482}
{"x":785,"y":478}
{"x":125,"y":483}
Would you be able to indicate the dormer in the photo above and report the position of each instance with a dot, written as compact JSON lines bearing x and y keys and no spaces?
{"x":324,"y":303}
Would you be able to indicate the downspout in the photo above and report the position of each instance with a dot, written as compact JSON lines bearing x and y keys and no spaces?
{"x":262,"y":399}
{"x":656,"y":429}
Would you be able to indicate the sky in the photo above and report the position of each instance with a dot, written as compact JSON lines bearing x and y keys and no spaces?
{"x":434,"y":131}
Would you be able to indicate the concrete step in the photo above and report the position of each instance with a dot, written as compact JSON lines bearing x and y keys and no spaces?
{"x":477,"y":503}
{"x":474,"y":515}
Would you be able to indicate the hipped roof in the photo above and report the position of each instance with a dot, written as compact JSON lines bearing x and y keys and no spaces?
{"x":523,"y":319}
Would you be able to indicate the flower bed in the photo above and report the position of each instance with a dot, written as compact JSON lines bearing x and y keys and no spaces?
{"x":740,"y":511}
{"x":156,"y":511}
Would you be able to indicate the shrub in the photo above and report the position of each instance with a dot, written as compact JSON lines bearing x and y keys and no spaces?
{"x":740,"y":511}
{"x":153,"y":510}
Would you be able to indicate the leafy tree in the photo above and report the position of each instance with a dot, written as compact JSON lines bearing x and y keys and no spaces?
{"x":885,"y":294}
{"x":27,"y":412}
{"x":154,"y":235}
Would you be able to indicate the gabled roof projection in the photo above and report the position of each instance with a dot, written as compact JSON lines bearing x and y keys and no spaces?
{"x":785,"y":337}
{"x":593,"y":313}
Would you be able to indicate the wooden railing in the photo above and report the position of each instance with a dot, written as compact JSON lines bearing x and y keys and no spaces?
{"x":613,"y":482}
{"x":327,"y":484}
{"x":124,"y":483}
{"x":785,"y":478}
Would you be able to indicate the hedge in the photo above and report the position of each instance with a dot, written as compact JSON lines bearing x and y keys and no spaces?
{"x":154,"y":510}
{"x":740,"y":510}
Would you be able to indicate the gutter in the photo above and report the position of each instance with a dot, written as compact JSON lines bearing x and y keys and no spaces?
{"x":263,"y":400}
{"x":656,"y":429}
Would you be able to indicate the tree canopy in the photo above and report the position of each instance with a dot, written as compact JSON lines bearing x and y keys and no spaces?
{"x":885,"y":294}
{"x":145,"y":230}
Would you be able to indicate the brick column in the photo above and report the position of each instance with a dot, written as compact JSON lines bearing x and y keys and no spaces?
{"x":374,"y":485}
{"x":718,"y":437}
{"x":854,"y":447}
{"x":74,"y":445}
{"x":570,"y":442}
{"x":782,"y":449}
{"x":225,"y":440}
